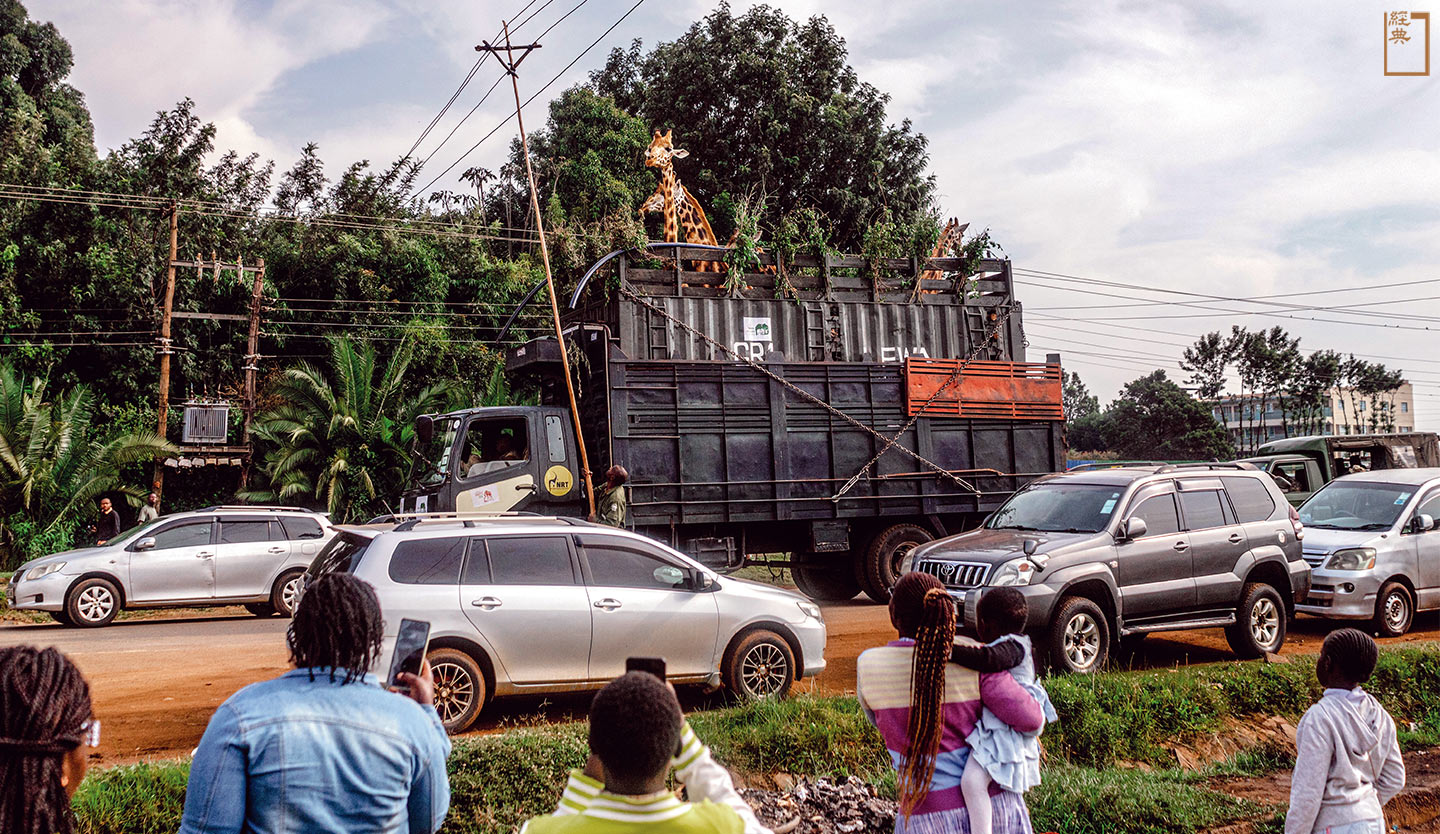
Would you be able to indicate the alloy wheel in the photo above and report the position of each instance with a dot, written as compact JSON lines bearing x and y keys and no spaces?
{"x":95,"y":603}
{"x":764,"y":670}
{"x":290,"y":593}
{"x":1082,"y":642}
{"x":1397,"y":611}
{"x":454,"y":690}
{"x":1265,"y":623}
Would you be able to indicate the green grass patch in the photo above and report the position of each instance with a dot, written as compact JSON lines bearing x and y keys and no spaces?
{"x":804,"y":735}
{"x":132,"y":799}
{"x":1079,"y":800}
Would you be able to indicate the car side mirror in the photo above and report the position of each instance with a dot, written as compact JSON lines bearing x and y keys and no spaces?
{"x":147,"y":543}
{"x":1134,"y":528}
{"x":1030,"y":546}
{"x":424,"y":428}
{"x":1422,"y":522}
{"x":701,"y":581}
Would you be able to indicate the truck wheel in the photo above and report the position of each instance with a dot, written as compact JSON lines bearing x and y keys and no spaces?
{"x":831,"y":583}
{"x":92,"y":603}
{"x":1079,"y":637}
{"x":460,"y":689}
{"x":880,"y":568}
{"x":1394,"y":610}
{"x":1259,"y":622}
{"x":759,"y":665}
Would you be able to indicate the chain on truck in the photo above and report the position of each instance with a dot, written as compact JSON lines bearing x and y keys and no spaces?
{"x":829,"y":419}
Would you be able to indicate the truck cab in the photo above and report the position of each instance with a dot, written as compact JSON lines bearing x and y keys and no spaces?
{"x":486,"y":461}
{"x":1302,"y":465}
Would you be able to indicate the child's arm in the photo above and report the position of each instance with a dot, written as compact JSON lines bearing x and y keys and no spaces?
{"x":987,"y":660}
{"x":1313,"y":755}
{"x":1391,"y":778}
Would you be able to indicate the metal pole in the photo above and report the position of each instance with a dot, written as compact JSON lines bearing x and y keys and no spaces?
{"x":165,"y":351}
{"x":510,"y":66}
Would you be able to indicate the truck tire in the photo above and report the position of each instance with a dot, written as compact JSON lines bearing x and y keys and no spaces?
{"x":826,"y":583}
{"x":879,"y":569}
{"x":1259,"y":622}
{"x":1078,"y":637}
{"x":460,"y":688}
{"x":1394,"y":610}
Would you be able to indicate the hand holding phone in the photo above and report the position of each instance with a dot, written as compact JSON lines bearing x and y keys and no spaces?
{"x":408,"y":663}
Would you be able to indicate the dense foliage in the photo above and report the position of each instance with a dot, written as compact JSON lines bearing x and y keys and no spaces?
{"x":1152,"y":419}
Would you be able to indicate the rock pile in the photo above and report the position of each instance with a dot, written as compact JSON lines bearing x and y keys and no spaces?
{"x":823,"y":807}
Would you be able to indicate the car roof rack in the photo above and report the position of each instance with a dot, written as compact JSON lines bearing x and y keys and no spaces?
{"x":1234,"y":464}
{"x":1114,"y":464}
{"x":256,"y":507}
{"x":409,"y":521}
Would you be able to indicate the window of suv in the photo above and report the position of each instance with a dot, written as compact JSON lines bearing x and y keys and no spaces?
{"x":1252,"y":501}
{"x":427,"y":561}
{"x":302,"y":527}
{"x":191,"y":534}
{"x":525,"y":560}
{"x":618,"y":564}
{"x":1158,"y":513}
{"x":1203,"y":509}
{"x":244,"y":532}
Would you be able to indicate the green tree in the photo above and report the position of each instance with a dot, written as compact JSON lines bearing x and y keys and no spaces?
{"x":1078,"y":400}
{"x":1206,"y":361}
{"x":340,"y":436}
{"x":1155,"y":419}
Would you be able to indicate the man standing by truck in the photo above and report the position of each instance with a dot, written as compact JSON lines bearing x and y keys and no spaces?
{"x":611,"y":508}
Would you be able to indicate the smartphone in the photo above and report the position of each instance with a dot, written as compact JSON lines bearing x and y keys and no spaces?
{"x":653,"y":665}
{"x":410,"y":646}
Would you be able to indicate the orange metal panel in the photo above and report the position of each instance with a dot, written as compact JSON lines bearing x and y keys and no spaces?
{"x":984,"y":390}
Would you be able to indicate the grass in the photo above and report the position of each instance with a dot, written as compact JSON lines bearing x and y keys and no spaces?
{"x":1080,"y":800}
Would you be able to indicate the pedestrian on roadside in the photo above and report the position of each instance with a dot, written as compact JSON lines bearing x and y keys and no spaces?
{"x":612,"y":508}
{"x":46,"y":733}
{"x":925,"y":707}
{"x":324,"y":747}
{"x":107,"y":526}
{"x":1347,"y":759}
{"x":637,"y":735}
{"x":151,"y":510}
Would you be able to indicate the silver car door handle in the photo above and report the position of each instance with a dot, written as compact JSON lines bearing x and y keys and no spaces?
{"x":488,"y":603}
{"x":608,"y":604}
{"x":1181,"y":547}
{"x":278,"y":549}
{"x":1235,"y":538}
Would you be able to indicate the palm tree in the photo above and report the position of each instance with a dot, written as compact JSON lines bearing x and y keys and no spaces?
{"x":341,"y":436}
{"x":54,"y":463}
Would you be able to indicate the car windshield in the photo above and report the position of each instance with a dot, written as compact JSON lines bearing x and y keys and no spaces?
{"x":126,"y":535}
{"x":1350,"y":505}
{"x":432,"y":459}
{"x":1058,"y":508}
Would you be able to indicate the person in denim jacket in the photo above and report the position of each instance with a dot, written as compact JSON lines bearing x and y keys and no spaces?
{"x":324,"y":748}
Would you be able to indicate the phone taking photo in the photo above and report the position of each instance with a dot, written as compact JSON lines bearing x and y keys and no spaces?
{"x":410,"y":645}
{"x":653,"y":665}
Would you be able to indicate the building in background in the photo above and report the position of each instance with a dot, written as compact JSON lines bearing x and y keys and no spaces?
{"x":1346,"y":412}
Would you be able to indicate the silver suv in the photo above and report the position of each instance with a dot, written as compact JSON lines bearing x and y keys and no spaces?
{"x":1118,"y":553}
{"x":247,"y":555}
{"x":1372,"y":542}
{"x":525,"y":604}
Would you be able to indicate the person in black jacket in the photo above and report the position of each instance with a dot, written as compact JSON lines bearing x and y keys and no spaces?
{"x":108,"y":526}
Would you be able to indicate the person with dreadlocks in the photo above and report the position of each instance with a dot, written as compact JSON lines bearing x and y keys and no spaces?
{"x":1347,"y":759}
{"x":925,"y":706}
{"x":46,"y":732}
{"x":324,"y":748}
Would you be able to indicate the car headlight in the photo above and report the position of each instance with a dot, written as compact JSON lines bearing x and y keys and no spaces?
{"x":907,"y":562}
{"x":810,"y":609}
{"x":43,"y":570}
{"x":1014,"y":572}
{"x":1355,"y":558}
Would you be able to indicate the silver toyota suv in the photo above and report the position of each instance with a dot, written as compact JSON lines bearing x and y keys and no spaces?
{"x":250,"y":555}
{"x":1118,"y":553}
{"x":525,"y":604}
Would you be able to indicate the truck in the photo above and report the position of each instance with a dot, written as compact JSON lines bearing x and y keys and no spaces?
{"x":817,"y":420}
{"x":1301,"y":465}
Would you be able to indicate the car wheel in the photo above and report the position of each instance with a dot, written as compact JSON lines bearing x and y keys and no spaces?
{"x":1079,"y":637}
{"x":760,"y":665}
{"x":92,"y":603}
{"x":260,"y":609}
{"x":880,"y":567}
{"x":1259,"y":623}
{"x":61,"y":617}
{"x":286,"y":592}
{"x":460,"y":688}
{"x":832,"y":583}
{"x":1394,"y":610}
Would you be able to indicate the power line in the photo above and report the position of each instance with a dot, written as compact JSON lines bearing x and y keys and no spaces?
{"x":1252,"y":298}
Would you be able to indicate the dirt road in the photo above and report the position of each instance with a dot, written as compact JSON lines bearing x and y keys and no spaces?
{"x":156,"y":682}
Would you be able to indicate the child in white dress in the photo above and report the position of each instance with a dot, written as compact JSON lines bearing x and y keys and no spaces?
{"x":999,"y":753}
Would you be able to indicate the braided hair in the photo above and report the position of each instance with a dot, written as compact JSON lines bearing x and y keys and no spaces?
{"x":920,"y":606}
{"x":43,"y":703}
{"x":1351,"y":656}
{"x":337,"y":626}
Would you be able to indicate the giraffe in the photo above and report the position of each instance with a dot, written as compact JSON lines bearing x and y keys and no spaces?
{"x":950,"y":238}
{"x":681,"y":209}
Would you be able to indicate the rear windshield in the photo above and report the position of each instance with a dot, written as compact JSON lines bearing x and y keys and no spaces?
{"x":1058,"y":508}
{"x":341,"y":554}
{"x":1350,"y":505}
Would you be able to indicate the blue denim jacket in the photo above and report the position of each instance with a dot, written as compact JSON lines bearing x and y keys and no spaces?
{"x":296,"y":755}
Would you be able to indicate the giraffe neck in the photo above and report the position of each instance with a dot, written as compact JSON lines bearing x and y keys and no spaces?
{"x":669,"y":182}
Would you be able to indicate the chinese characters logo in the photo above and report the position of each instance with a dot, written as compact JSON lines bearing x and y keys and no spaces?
{"x":1407,"y":43}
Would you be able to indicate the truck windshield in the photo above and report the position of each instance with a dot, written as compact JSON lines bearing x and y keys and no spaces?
{"x":1058,"y":508}
{"x":1350,"y":505}
{"x":432,"y":459}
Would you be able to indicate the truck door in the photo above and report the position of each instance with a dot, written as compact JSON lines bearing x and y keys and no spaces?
{"x":1298,"y":478}
{"x":495,"y":469}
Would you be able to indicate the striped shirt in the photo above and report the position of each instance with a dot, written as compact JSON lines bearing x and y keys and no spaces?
{"x":587,"y":808}
{"x":882,"y":683}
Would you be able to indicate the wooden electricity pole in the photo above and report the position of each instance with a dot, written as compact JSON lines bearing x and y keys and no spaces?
{"x":165,"y":343}
{"x":252,"y":363}
{"x":511,"y":65}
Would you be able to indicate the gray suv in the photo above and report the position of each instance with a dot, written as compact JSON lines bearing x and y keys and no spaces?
{"x":1107,"y":554}
{"x":247,"y":555}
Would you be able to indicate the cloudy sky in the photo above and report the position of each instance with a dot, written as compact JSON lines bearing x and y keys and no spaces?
{"x":1224,"y":150}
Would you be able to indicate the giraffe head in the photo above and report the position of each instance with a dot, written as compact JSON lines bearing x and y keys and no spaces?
{"x":662,"y":150}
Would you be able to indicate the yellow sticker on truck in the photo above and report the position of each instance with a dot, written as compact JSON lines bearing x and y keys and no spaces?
{"x":558,"y":480}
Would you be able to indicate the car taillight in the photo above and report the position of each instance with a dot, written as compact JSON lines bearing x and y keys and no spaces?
{"x":1295,"y":522}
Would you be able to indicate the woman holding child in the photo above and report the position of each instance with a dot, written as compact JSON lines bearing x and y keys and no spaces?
{"x":935,"y":710}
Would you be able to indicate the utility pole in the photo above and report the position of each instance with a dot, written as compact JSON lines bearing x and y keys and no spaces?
{"x":511,"y":65}
{"x":252,"y":362}
{"x":164,"y":341}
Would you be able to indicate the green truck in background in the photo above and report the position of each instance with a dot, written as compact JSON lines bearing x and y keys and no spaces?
{"x":1301,"y":465}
